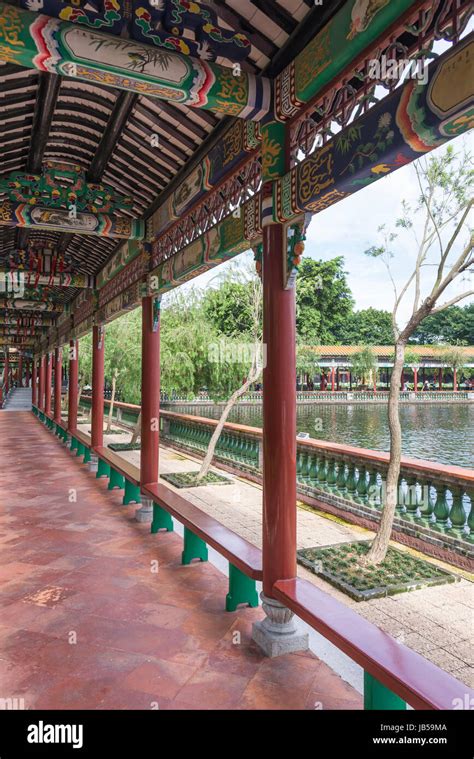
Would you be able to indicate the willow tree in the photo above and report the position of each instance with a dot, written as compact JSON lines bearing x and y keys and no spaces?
{"x":454,"y":357}
{"x":364,"y":364}
{"x":122,"y":361}
{"x":442,"y":255}
{"x":85,"y":364}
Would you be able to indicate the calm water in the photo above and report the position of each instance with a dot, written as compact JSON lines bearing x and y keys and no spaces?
{"x":443,"y":433}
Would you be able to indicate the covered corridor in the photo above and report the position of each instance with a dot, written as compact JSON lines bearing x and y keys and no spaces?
{"x":86,"y":622}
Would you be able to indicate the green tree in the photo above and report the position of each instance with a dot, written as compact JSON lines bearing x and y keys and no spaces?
{"x":229,"y":308}
{"x":122,"y":360}
{"x":85,"y":364}
{"x":370,"y":326}
{"x":454,"y":326}
{"x":323,"y":300}
{"x":454,"y":357}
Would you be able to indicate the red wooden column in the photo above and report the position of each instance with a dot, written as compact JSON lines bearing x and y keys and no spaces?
{"x":150,"y":406}
{"x":6,"y":372}
{"x":41,"y":384}
{"x":276,"y":634}
{"x":58,"y":355}
{"x":455,"y":380}
{"x":73,"y":389}
{"x":440,"y":378}
{"x":47,"y":384}
{"x":20,"y":370}
{"x":415,"y":378}
{"x":333,"y":379}
{"x":34,"y":388}
{"x":97,"y":423}
{"x":27,"y":374}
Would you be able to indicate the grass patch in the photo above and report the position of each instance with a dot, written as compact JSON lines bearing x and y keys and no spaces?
{"x":124,"y":446}
{"x":188,"y":479}
{"x":399,"y":572}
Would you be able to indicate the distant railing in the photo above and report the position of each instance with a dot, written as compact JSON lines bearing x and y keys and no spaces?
{"x":435,"y":501}
{"x":338,"y":396}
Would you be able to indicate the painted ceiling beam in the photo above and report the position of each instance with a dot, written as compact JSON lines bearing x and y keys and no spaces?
{"x":33,"y":279}
{"x":59,"y":47}
{"x":21,"y":321}
{"x":102,"y":225}
{"x":351,"y":31}
{"x":19,"y":304}
{"x":46,"y":100}
{"x":413,"y":120}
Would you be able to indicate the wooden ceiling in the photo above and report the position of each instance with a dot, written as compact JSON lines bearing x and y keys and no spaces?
{"x":107,"y":131}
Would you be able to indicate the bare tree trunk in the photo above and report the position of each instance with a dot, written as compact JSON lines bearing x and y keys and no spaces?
{"x":378,"y":549}
{"x":79,"y":396}
{"x":112,"y":401}
{"x":136,"y":431}
{"x":253,"y":376}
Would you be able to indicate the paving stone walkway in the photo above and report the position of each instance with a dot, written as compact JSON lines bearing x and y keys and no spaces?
{"x":436,"y":622}
{"x":87,"y":623}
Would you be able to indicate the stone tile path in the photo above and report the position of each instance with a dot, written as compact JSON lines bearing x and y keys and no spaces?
{"x":86,"y":622}
{"x":436,"y":622}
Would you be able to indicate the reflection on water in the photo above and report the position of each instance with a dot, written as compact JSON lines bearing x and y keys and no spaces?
{"x":443,"y":433}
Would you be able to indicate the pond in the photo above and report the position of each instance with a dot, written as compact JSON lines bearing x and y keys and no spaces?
{"x":438,"y":432}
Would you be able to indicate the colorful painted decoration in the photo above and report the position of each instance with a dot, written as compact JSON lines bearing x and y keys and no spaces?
{"x":240,"y":140}
{"x":34,"y":279}
{"x":164,"y":23}
{"x":413,"y":120}
{"x":40,"y":260}
{"x":63,"y":185}
{"x":23,"y":304}
{"x":50,"y":44}
{"x":23,"y":215}
{"x":232,"y":236}
{"x":123,"y":256}
{"x":356,"y":25}
{"x":295,"y":237}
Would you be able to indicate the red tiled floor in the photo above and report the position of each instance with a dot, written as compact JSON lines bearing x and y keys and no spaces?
{"x":86,"y":623}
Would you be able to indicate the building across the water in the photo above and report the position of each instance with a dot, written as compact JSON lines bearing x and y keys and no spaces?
{"x":425,"y":364}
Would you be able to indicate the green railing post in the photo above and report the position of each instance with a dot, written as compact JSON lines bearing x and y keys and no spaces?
{"x":161,"y":519}
{"x":103,"y":469}
{"x":378,"y":696}
{"x":132,"y":493}
{"x":242,"y":590}
{"x":116,"y":480}
{"x":194,"y":548}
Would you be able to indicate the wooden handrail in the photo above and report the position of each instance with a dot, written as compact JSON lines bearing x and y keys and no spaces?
{"x":415,"y":679}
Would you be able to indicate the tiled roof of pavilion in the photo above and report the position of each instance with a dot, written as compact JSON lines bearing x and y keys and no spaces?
{"x":386,"y":351}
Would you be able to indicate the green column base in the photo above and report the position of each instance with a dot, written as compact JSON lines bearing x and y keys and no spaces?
{"x":73,"y":443}
{"x":377,"y":696}
{"x":80,"y":449}
{"x":87,"y":455}
{"x":103,"y":469}
{"x":132,"y":493}
{"x":116,"y":480}
{"x":161,"y":519}
{"x":194,"y":548}
{"x":242,"y":590}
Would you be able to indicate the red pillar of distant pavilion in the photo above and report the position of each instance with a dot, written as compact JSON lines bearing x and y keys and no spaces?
{"x":47,"y":384}
{"x":20,"y":370}
{"x":57,"y":384}
{"x":98,"y":350}
{"x":73,"y":379}
{"x":440,"y":378}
